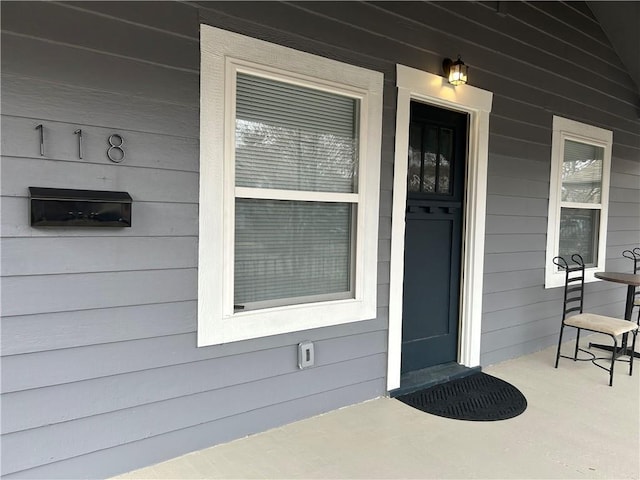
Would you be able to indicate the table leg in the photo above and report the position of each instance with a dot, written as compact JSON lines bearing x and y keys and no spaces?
{"x":628,"y":308}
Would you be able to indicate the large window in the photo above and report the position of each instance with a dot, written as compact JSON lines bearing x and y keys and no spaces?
{"x":289,"y":179}
{"x":578,"y":197}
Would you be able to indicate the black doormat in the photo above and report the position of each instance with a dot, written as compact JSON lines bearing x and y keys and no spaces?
{"x":478,"y":397}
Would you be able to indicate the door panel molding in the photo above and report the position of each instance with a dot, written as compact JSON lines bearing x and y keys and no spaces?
{"x":435,"y":90}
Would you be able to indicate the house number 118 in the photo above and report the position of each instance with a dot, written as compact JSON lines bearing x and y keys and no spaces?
{"x":115,"y":150}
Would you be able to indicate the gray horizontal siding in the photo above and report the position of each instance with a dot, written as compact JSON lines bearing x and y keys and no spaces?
{"x":95,"y":70}
{"x":168,"y":17}
{"x":107,"y":33}
{"x":82,"y":291}
{"x":71,"y":365}
{"x":50,"y":101}
{"x":145,"y":150}
{"x":104,"y":321}
{"x":519,"y":314}
{"x":515,"y":224}
{"x":151,"y":419}
{"x":32,"y":333}
{"x":80,"y":393}
{"x":62,"y":255}
{"x":625,"y":195}
{"x":151,"y":185}
{"x":535,"y":75}
{"x":514,"y":243}
{"x":128,"y":456}
{"x":504,"y":281}
{"x":620,"y":238}
{"x":149,"y":219}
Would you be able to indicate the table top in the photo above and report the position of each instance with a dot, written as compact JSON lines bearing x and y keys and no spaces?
{"x":620,"y":277}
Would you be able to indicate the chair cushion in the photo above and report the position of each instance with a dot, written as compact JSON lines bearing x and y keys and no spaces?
{"x":600,"y":323}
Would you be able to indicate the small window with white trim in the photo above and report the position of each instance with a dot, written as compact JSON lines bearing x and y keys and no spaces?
{"x":578,"y":197}
{"x":289,"y":187}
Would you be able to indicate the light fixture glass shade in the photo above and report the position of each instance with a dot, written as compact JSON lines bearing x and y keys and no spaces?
{"x":458,"y":73}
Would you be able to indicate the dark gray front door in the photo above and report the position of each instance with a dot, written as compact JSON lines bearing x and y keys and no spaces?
{"x":433,"y":236}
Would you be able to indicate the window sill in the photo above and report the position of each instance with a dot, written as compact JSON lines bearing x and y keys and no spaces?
{"x":286,"y":319}
{"x":555,"y":280}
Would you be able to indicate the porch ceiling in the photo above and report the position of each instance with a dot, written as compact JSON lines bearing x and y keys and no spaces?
{"x":620,"y":20}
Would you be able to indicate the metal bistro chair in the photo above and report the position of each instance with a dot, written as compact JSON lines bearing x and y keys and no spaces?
{"x":573,"y":302}
{"x":635,"y":256}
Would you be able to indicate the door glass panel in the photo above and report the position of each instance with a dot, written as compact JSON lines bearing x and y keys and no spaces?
{"x":414,"y":173}
{"x":579,"y":229}
{"x":430,"y":156}
{"x":444,"y":167}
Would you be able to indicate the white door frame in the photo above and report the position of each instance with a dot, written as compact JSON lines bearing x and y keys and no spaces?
{"x":435,"y":90}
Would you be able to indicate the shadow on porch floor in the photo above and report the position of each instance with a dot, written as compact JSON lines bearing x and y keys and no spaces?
{"x":575,"y":426}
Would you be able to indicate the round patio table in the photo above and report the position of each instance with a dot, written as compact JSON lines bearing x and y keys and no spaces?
{"x":631,"y":280}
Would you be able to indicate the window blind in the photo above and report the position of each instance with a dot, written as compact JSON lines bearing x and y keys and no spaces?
{"x":289,"y":249}
{"x":294,"y":138}
{"x":582,"y":172}
{"x":579,"y":234}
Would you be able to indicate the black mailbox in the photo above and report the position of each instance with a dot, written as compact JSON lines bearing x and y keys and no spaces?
{"x":62,"y":207}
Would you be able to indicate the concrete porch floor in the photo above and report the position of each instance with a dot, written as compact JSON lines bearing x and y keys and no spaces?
{"x":575,"y":426}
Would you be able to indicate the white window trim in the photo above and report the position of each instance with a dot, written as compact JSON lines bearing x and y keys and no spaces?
{"x":565,"y":129}
{"x":222,"y":54}
{"x":435,"y":90}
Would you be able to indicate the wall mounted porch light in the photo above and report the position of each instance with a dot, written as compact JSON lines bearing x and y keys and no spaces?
{"x":456,"y":72}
